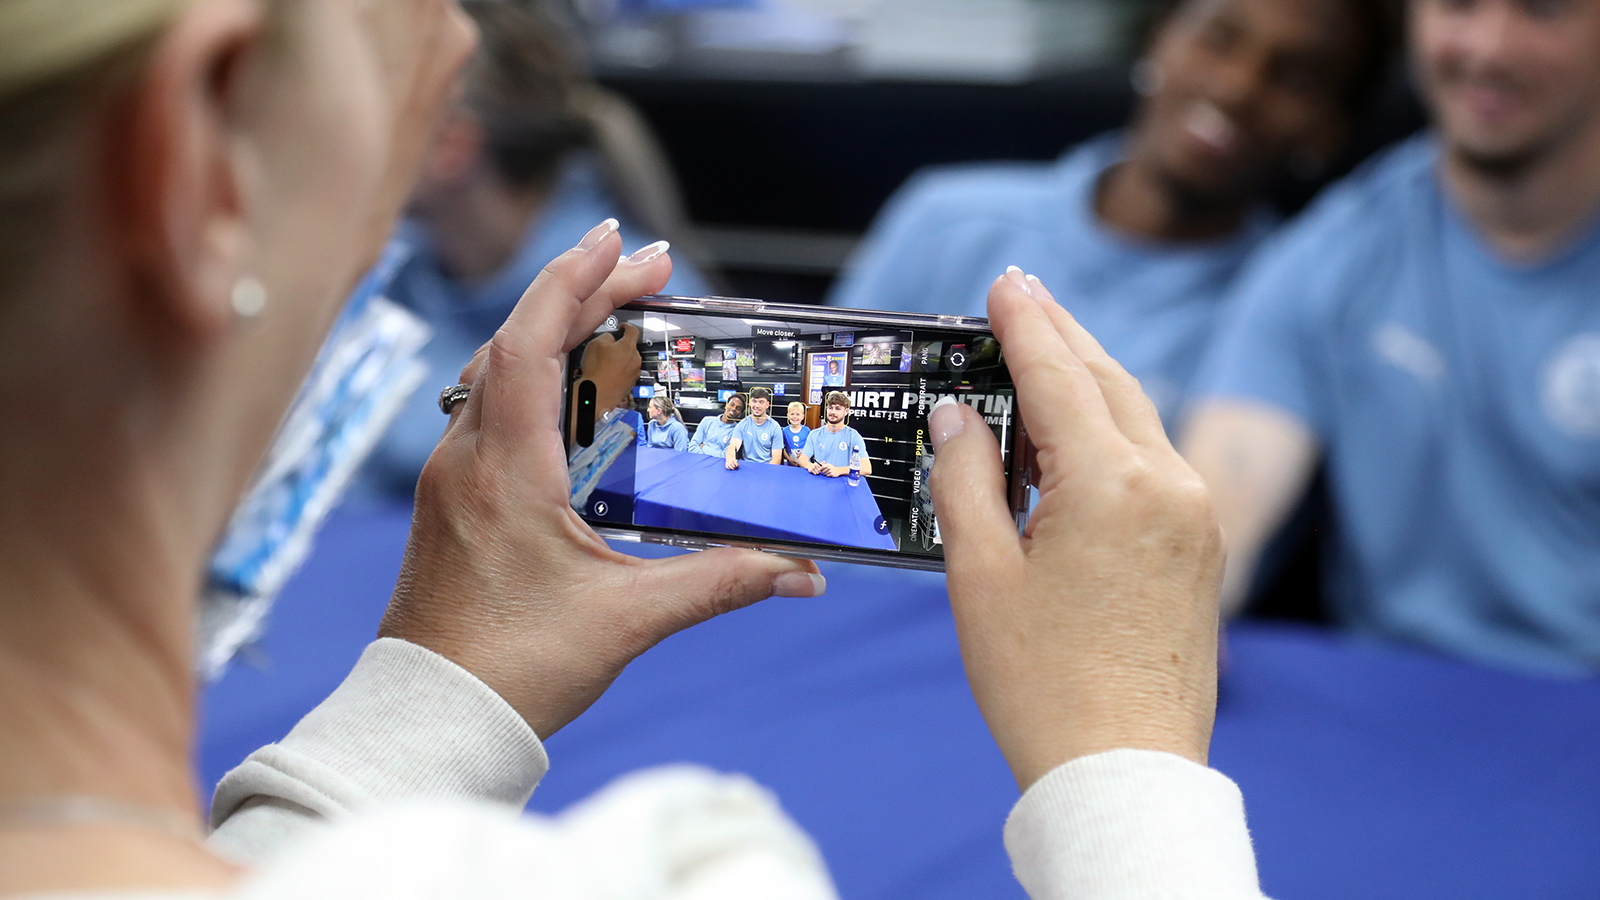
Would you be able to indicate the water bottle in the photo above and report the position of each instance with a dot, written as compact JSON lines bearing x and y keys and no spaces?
{"x":855,"y":468}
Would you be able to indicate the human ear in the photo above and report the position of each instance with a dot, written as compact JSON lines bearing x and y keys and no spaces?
{"x":182,"y":172}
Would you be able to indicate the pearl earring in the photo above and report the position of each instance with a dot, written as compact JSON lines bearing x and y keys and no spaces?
{"x":249,"y":298}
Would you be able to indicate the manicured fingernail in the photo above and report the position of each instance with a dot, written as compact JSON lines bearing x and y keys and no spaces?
{"x":945,"y":422}
{"x":1039,"y":290}
{"x":648,"y":253}
{"x":799,"y":584}
{"x":597,"y":234}
{"x":1015,"y":276}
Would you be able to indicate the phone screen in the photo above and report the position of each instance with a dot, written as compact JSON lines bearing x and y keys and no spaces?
{"x":780,"y":432}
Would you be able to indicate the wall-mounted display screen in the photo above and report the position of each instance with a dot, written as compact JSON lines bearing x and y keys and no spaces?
{"x":775,"y":357}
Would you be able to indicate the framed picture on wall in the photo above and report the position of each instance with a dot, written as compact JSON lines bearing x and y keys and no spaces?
{"x":876,"y":353}
{"x":826,"y":370}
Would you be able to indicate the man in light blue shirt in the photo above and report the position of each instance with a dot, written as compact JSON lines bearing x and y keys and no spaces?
{"x":714,"y":433}
{"x":1140,"y":234}
{"x":829,"y":449}
{"x":760,"y":437}
{"x":1432,"y":330}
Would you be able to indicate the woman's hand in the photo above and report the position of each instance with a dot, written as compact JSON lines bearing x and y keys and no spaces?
{"x":501,"y":575}
{"x":1097,"y":629}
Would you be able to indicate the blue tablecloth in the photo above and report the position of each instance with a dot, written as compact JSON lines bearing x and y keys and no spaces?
{"x":693,"y":492}
{"x":1370,"y":771}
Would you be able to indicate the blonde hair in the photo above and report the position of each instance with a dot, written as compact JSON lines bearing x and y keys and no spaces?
{"x":56,"y":58}
{"x":796,"y":403}
{"x":41,"y":40}
{"x":667,"y":406}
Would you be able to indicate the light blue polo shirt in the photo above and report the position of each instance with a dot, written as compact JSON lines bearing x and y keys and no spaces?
{"x":465,"y":316}
{"x":713,"y":435}
{"x":671,"y":436}
{"x":824,"y":446}
{"x":950,"y":232}
{"x":1456,"y":397}
{"x":760,"y":440}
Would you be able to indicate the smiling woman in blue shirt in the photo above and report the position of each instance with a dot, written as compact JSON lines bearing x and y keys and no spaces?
{"x":1140,"y":233}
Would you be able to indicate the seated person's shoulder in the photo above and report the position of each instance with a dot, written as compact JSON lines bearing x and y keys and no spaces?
{"x":1353,"y":234}
{"x":1016,"y":194}
{"x":1373,"y":205}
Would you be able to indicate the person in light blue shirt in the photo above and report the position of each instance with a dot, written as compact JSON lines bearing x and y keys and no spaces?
{"x":1431,"y":330}
{"x":518,"y":173}
{"x":760,"y":437}
{"x":714,"y":433}
{"x":665,"y":430}
{"x":794,"y":437}
{"x":1140,"y":233}
{"x":830,"y":449}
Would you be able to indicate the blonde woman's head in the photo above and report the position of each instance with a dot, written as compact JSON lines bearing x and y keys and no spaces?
{"x":662,"y":408}
{"x":157,"y":154}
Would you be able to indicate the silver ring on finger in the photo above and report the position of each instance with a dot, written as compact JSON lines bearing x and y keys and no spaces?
{"x":450,"y":396}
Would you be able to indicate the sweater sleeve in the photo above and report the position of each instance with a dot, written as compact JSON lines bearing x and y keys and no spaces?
{"x":1132,"y":824}
{"x":405,"y":724}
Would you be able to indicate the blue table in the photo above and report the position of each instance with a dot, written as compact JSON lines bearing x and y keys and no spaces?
{"x":1370,"y":771}
{"x":693,"y":492}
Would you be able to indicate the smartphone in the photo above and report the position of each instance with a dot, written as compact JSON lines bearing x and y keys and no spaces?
{"x":825,"y":412}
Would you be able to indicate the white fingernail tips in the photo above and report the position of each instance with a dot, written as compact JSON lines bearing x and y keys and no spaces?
{"x":649,"y":253}
{"x":799,"y":584}
{"x":597,"y":234}
{"x":1016,"y":277}
{"x":945,"y":422}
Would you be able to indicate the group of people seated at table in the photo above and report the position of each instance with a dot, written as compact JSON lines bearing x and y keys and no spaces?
{"x":1427,"y":330}
{"x":1422,"y":332}
{"x":733,"y":436}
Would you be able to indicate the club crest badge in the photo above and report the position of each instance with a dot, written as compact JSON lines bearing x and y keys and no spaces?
{"x":1570,"y":387}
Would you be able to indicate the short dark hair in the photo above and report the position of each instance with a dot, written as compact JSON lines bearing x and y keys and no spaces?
{"x":837,"y":398}
{"x":761,"y":393}
{"x":1379,"y":21}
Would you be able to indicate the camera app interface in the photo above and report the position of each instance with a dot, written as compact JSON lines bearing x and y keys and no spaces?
{"x":769,"y":431}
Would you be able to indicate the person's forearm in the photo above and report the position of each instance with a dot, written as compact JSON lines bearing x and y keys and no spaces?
{"x":405,"y":723}
{"x":1257,"y":462}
